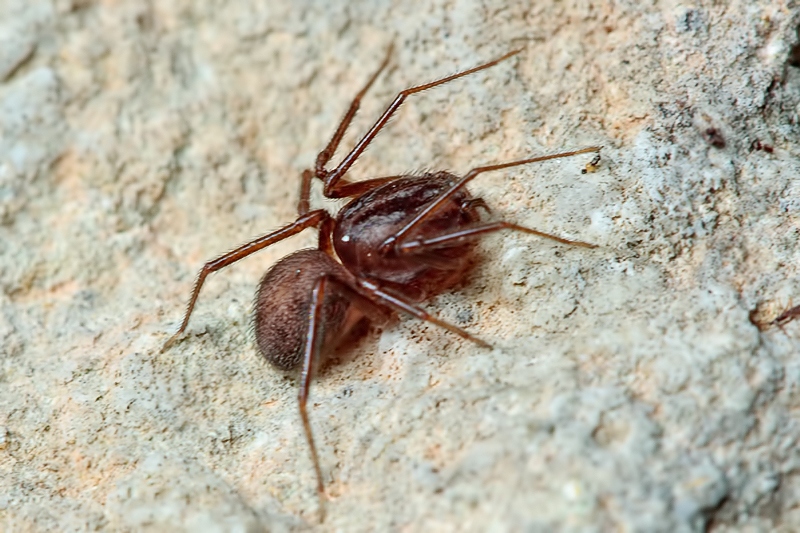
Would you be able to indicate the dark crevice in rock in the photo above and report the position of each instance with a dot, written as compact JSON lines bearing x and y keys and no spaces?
{"x":794,"y":53}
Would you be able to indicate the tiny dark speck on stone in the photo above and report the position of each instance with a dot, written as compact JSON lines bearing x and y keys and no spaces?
{"x":714,"y":137}
{"x":464,"y":316}
{"x":691,"y":20}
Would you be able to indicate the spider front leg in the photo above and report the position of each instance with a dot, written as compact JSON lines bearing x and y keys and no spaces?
{"x":331,"y":178}
{"x":398,"y":240}
{"x":325,"y":155}
{"x":462,"y":236}
{"x":312,"y":219}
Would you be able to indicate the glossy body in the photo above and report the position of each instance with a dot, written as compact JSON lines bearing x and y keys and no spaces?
{"x":365,"y":223}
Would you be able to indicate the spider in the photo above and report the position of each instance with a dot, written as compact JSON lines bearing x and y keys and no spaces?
{"x":399,"y":241}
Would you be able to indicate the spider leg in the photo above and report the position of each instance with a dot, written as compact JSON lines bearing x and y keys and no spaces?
{"x":315,"y":218}
{"x":325,"y":155}
{"x":430,"y":209}
{"x":325,"y":238}
{"x":304,"y":205}
{"x":467,"y":234}
{"x":401,"y":304}
{"x":331,"y":178}
{"x":314,"y":337}
{"x":345,"y":189}
{"x":369,"y":298}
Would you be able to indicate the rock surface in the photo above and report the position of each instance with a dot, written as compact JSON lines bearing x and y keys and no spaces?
{"x":629,"y":387}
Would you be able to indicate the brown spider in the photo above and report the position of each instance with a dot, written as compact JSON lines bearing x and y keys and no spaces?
{"x":399,"y":241}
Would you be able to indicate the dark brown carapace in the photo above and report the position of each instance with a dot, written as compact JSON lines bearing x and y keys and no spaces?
{"x":399,"y":241}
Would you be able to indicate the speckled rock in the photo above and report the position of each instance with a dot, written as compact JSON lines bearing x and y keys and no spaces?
{"x":629,"y":387}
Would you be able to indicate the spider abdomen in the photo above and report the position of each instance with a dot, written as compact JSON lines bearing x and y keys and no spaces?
{"x":283,"y":303}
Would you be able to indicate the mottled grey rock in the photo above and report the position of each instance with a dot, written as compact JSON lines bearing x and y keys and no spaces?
{"x":15,"y":49}
{"x":630,"y":387}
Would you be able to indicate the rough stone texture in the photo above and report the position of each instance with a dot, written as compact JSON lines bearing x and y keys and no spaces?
{"x":628,"y":390}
